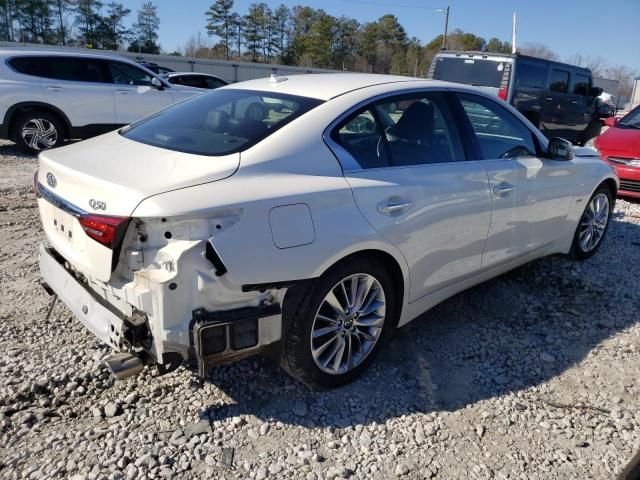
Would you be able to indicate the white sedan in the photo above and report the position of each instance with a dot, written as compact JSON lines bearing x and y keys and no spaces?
{"x":306,"y":217}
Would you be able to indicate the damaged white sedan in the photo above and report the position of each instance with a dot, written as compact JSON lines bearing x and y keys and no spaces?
{"x":304,"y":217}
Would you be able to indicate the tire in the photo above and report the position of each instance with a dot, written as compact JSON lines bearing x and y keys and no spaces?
{"x":585,"y":246}
{"x":37,"y":130}
{"x":354,"y":330}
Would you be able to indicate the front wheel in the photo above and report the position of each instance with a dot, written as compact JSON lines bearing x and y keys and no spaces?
{"x":340,"y":324}
{"x":593,"y":224}
{"x":37,"y":130}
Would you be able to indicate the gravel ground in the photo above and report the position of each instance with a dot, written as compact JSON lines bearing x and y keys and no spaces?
{"x":533,"y":375}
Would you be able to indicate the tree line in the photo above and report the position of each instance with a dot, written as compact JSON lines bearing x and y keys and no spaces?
{"x":300,"y":35}
{"x":84,"y":23}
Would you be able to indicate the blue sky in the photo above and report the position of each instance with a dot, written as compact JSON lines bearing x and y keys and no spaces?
{"x":609,"y":29}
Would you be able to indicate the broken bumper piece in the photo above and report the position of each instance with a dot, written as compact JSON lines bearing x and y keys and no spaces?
{"x":225,"y":336}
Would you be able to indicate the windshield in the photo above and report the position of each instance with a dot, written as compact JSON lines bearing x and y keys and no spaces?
{"x":631,"y":120}
{"x":470,"y":71}
{"x":219,"y":122}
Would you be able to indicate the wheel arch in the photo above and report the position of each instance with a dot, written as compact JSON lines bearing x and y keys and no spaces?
{"x":15,"y":110}
{"x":396,"y":267}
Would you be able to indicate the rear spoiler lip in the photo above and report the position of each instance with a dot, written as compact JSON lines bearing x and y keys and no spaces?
{"x":59,"y":202}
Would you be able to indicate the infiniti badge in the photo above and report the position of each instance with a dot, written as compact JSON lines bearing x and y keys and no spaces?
{"x":51,"y":180}
{"x":97,"y":204}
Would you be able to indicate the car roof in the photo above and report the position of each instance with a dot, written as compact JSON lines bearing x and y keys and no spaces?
{"x":12,"y":52}
{"x":325,"y":86}
{"x":173,"y":74}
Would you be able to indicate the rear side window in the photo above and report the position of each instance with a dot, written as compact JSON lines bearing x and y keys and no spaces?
{"x":499,"y":133}
{"x":28,"y":65}
{"x":581,"y":85}
{"x":413,"y":129}
{"x":219,"y":122}
{"x":191,"y":81}
{"x":63,"y":68}
{"x":559,"y":81}
{"x":531,"y":76}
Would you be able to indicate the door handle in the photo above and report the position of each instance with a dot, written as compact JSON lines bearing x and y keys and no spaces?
{"x":503,"y":189}
{"x":123,"y":92}
{"x":574,"y":102}
{"x":548,"y":99}
{"x":55,"y":89}
{"x":393,"y":207}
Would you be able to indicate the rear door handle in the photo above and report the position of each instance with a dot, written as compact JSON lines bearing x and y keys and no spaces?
{"x":54,"y":88}
{"x":393,"y":207}
{"x":548,"y":99}
{"x":123,"y":92}
{"x":503,"y":189}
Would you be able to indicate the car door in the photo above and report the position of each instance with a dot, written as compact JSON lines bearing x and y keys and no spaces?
{"x":581,"y":103}
{"x":406,"y":165}
{"x":557,"y":110}
{"x":531,"y":195}
{"x":135,"y":95}
{"x":80,"y":87}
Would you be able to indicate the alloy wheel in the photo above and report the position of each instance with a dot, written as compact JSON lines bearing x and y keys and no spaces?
{"x":594,"y":222}
{"x":39,"y":134}
{"x":348,"y":323}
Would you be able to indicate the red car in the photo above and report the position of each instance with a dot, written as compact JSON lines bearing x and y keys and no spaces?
{"x":620,"y":147}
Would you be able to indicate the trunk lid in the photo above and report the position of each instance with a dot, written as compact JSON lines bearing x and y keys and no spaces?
{"x":109,"y":176}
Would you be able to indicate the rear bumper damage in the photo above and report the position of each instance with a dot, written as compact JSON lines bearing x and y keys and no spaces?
{"x":214,"y":337}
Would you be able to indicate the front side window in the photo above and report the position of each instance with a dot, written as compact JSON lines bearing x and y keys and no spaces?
{"x":581,"y":85}
{"x":125,"y":74}
{"x":412,"y":129}
{"x":499,"y":133}
{"x":559,"y":81}
{"x":219,"y":122}
{"x":214,"y":82}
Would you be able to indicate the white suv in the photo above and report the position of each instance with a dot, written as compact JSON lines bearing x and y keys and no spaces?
{"x":49,"y":96}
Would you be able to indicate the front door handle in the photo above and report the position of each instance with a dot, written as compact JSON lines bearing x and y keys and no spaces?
{"x":393,"y":207}
{"x":503,"y":189}
{"x":548,"y":99}
{"x":54,"y":89}
{"x":123,"y":92}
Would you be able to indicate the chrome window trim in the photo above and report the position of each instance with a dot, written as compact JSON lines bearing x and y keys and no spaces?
{"x":60,"y":202}
{"x":351,"y":165}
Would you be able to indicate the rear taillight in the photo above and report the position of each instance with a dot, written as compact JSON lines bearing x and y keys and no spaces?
{"x":101,"y":228}
{"x":502,"y":93}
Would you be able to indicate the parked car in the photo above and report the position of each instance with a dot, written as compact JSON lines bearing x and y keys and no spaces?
{"x":620,"y":147}
{"x":201,"y":235}
{"x":47,"y":97}
{"x":155,"y":68}
{"x":557,"y":98}
{"x":197,"y":80}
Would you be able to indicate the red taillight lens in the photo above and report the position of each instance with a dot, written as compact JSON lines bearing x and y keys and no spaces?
{"x":101,"y":228}
{"x":502,"y":93}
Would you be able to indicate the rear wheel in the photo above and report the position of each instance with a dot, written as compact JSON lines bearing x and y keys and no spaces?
{"x":340,"y":324}
{"x":593,"y":224}
{"x":36,"y":130}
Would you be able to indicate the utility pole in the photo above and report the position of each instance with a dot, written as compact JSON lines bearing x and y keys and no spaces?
{"x":446,"y":25}
{"x":513,"y":34}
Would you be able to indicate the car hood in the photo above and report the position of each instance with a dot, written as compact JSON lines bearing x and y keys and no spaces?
{"x":120,"y":173}
{"x":621,"y":140}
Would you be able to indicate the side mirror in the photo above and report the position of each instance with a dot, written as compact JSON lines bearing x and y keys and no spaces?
{"x":560,"y":149}
{"x":155,"y":81}
{"x":610,"y":121}
{"x":596,"y":91}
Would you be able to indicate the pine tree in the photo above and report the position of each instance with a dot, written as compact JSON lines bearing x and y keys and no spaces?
{"x":221,"y":22}
{"x":145,"y":30}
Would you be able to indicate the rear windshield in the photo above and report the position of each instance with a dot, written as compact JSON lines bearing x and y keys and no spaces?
{"x":470,"y":71}
{"x":219,"y":122}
